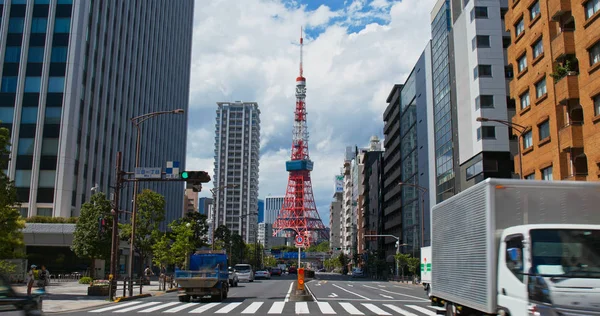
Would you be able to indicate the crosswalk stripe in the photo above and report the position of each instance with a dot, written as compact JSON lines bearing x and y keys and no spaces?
{"x":276,"y":308}
{"x":351,"y":309}
{"x":399,"y":310}
{"x":117,"y":305}
{"x":129,"y":309}
{"x":252,"y":308}
{"x":228,"y":308}
{"x":325,"y":308}
{"x":302,"y":308}
{"x":422,"y":310}
{"x":180,"y":307}
{"x":155,"y":308}
{"x":203,"y":308}
{"x":375,"y":309}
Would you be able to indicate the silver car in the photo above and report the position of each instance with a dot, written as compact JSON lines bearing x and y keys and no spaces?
{"x":233,"y":277}
{"x":244,"y":272}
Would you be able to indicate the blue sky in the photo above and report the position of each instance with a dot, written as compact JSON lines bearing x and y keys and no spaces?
{"x":355,"y":51}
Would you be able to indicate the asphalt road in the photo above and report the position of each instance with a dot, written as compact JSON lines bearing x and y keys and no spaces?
{"x":333,"y":295}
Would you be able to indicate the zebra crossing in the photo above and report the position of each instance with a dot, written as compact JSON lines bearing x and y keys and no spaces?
{"x":269,"y":308}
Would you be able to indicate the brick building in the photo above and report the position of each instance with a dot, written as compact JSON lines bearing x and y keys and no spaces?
{"x":555,"y":54}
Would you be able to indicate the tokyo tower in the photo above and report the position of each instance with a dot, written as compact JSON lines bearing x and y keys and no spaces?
{"x":298,"y":215}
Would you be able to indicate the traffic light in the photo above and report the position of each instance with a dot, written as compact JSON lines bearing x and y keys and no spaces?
{"x":194,"y":179}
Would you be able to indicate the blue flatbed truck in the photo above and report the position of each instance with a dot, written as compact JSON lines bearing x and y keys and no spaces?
{"x":206,"y":274}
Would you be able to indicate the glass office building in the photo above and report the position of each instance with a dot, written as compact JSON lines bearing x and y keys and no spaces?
{"x":73,"y":72}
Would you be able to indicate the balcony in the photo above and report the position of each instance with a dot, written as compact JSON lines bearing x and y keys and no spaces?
{"x":571,"y":136}
{"x":556,"y":8}
{"x":567,"y":88}
{"x":563,"y":44}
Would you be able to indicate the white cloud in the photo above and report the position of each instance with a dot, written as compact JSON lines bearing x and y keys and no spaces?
{"x":247,"y":50}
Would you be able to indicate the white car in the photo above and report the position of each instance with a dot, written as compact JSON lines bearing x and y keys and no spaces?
{"x":262,"y":274}
{"x":244,"y":272}
{"x":233,"y":277}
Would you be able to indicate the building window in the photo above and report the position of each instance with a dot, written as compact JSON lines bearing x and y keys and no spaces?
{"x":522,"y":63}
{"x":38,"y":25}
{"x":62,"y":25}
{"x":474,"y":169}
{"x":530,"y":176}
{"x":481,"y":41}
{"x":36,"y":54}
{"x":540,"y":88}
{"x":547,"y":173}
{"x":544,"y":130}
{"x":12,"y":54}
{"x":9,"y":84}
{"x":519,"y":27}
{"x":527,"y":140}
{"x":482,"y":71}
{"x":591,"y":7}
{"x":486,"y":132}
{"x":32,"y":84}
{"x":506,"y":41}
{"x":29,"y":115}
{"x":25,"y":146}
{"x":524,"y":100}
{"x":534,"y":10}
{"x":44,"y":211}
{"x":479,"y":13}
{"x":6,"y":115}
{"x":59,"y":54}
{"x":597,"y":104}
{"x":537,"y":48}
{"x":595,"y":53}
{"x":15,"y":25}
{"x":56,"y":84}
{"x":484,"y":101}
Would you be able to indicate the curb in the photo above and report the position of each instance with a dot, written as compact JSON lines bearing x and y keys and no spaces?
{"x":305,"y":296}
{"x":131,"y":298}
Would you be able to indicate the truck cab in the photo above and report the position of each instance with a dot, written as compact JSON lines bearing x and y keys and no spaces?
{"x":549,"y":269}
{"x":207,"y":274}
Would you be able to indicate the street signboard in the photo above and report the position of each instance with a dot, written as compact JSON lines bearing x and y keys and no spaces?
{"x":300,"y":242}
{"x":172,"y":170}
{"x":147,"y":173}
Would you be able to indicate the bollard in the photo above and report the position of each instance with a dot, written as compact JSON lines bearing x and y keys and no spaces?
{"x":124,"y":286}
{"x":301,"y":279}
{"x":141,"y":285}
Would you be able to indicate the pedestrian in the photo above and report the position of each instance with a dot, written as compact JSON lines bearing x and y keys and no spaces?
{"x":148,"y":272}
{"x":31,"y":278}
{"x":42,"y":278}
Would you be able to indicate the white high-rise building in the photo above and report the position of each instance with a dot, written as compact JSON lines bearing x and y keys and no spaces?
{"x":237,"y":144}
{"x":272,"y":206}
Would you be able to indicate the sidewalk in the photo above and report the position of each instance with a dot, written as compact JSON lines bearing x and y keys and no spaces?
{"x":72,"y":296}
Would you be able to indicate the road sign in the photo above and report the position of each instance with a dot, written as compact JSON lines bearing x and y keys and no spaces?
{"x":147,"y":173}
{"x":172,"y":170}
{"x":300,"y":242}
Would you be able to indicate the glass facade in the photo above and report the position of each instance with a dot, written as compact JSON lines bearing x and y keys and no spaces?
{"x":444,"y":148}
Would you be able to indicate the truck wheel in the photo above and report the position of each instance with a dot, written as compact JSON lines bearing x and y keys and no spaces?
{"x":184,"y":298}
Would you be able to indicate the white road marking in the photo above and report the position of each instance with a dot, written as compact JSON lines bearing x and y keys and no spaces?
{"x":228,"y":308}
{"x":155,"y":308}
{"x":381,"y":285}
{"x":136,"y":307}
{"x":399,"y":310}
{"x":422,"y":310}
{"x":375,"y":309}
{"x":386,"y":296}
{"x":302,"y":308}
{"x":332,"y":295}
{"x":351,"y":309}
{"x":371,"y":287}
{"x":180,"y":307}
{"x":203,"y":308}
{"x":276,"y":308}
{"x":343,"y":289}
{"x":287,"y":296}
{"x":117,"y":305}
{"x":325,"y":308}
{"x":252,"y":308}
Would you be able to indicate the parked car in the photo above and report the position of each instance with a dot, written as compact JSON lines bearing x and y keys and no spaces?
{"x":233,"y":277}
{"x":292,"y":270}
{"x":276,"y":271}
{"x":357,"y":273}
{"x":262,"y":274}
{"x":244,"y":272}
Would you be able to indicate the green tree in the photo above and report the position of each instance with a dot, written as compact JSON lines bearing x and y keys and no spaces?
{"x":402,"y":259}
{"x":11,"y":223}
{"x":90,"y":239}
{"x":342,"y":260}
{"x":270,"y":261}
{"x":162,"y":250}
{"x":413,"y":265}
{"x":323,"y":247}
{"x":199,"y":228}
{"x":183,"y":245}
{"x":150,"y":212}
{"x":222,"y":237}
{"x":236,"y":252}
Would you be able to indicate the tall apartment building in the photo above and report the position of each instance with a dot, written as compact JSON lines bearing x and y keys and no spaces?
{"x":261,"y":211}
{"x":205,"y":206}
{"x":335,"y":215}
{"x":346,"y":220}
{"x":272,"y":207}
{"x":73,"y":74}
{"x":190,"y":201}
{"x":369,"y":206}
{"x":237,"y":144}
{"x":555,"y":50}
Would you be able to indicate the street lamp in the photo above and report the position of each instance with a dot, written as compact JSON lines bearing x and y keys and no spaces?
{"x":136,"y":122}
{"x":214,"y":191}
{"x":519,"y":128}
{"x":423,"y":191}
{"x":397,"y":247}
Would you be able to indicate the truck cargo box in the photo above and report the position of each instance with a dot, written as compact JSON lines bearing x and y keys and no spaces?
{"x":466,"y":230}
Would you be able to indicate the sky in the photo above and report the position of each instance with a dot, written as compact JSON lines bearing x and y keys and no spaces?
{"x":354,"y":53}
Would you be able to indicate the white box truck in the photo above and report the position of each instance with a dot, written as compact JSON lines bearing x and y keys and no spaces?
{"x":426,"y":266}
{"x":518,"y":247}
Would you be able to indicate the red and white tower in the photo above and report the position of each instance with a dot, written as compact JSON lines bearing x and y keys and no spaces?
{"x":298,"y":214}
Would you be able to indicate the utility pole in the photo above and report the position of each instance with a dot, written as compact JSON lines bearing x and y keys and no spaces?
{"x":115,"y":227}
